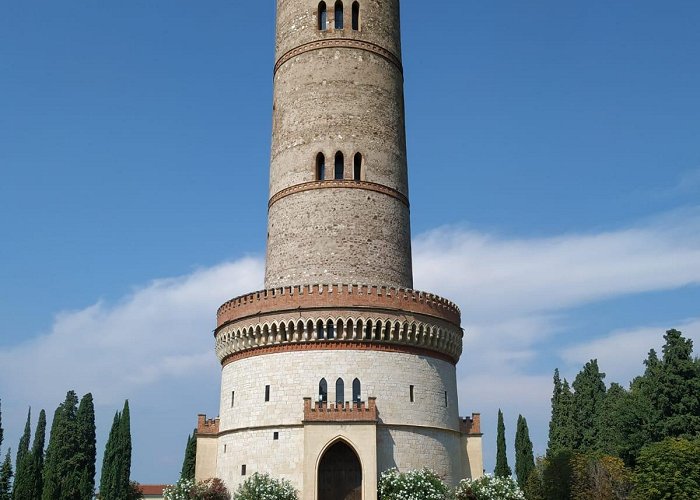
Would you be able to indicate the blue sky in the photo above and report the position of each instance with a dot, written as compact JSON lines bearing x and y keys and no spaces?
{"x":554,"y":165}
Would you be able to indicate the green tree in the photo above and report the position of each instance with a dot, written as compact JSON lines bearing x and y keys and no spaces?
{"x":557,"y":475}
{"x":23,"y":447}
{"x":107,"y":478}
{"x":116,"y":465}
{"x":678,"y":397}
{"x":188,"y":464}
{"x":59,"y":469}
{"x":561,"y":424}
{"x":6,"y":478}
{"x":612,"y":420}
{"x":600,"y":477}
{"x":534,"y":489}
{"x":589,"y":393}
{"x":1,"y":431}
{"x":28,"y":484}
{"x":524,"y":457}
{"x":502,"y":468}
{"x":669,"y":469}
{"x":85,"y":419}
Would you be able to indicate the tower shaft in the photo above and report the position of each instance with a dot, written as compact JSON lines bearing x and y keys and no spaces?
{"x":338,"y":206}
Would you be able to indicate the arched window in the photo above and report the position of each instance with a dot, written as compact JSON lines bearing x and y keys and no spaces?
{"x":356,"y":16}
{"x":339,"y":390}
{"x":368,"y":330}
{"x":338,"y":14}
{"x":330,"y":329}
{"x":322,"y":16}
{"x":339,"y":165}
{"x":357,"y":167}
{"x":356,"y":391}
{"x":323,"y":391}
{"x":320,"y":167}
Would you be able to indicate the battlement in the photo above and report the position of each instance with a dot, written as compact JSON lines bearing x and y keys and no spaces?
{"x":350,"y":411}
{"x":326,"y":296}
{"x":207,"y":426}
{"x":470,"y":425}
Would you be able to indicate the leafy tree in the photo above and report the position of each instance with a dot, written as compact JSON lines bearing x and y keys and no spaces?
{"x":85,"y":459}
{"x":524,"y":457}
{"x":561,"y":424}
{"x":59,"y":469}
{"x":599,"y":476}
{"x":502,"y":468}
{"x":6,"y":478}
{"x":188,"y":464}
{"x":534,"y":489}
{"x":28,"y":480}
{"x":669,"y":469}
{"x":589,"y":392}
{"x":556,"y":475}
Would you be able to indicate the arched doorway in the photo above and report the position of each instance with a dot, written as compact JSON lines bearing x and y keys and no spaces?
{"x":339,"y":474}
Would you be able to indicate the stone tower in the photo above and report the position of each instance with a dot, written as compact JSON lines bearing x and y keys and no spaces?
{"x":338,"y":369}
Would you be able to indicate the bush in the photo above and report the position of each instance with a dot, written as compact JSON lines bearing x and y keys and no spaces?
{"x":669,"y":469}
{"x":187,"y":489}
{"x":489,"y":488}
{"x":264,"y":487}
{"x":421,"y":484}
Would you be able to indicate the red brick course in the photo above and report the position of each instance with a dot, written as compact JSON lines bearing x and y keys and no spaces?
{"x":337,"y":296}
{"x":207,"y":426}
{"x":340,"y":412}
{"x":470,"y":426}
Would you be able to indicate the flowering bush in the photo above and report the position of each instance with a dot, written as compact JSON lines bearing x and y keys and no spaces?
{"x":263,"y":487}
{"x":421,"y":484}
{"x":187,"y":489}
{"x":489,"y":488}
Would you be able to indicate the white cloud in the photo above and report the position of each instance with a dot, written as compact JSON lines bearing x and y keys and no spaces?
{"x":491,"y":276}
{"x":155,"y":347}
{"x":620,"y":353}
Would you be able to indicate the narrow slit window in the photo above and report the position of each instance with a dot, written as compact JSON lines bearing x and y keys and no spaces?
{"x":356,"y":390}
{"x":233,"y":396}
{"x":224,"y":448}
{"x":445,"y":399}
{"x":338,"y":14}
{"x":339,"y":390}
{"x":356,"y":16}
{"x":357,"y":167}
{"x":322,"y":16}
{"x":243,"y":470}
{"x":320,"y":167}
{"x":339,"y":165}
{"x":410,"y":393}
{"x":275,"y":435}
{"x":322,"y":391}
{"x":267,"y":393}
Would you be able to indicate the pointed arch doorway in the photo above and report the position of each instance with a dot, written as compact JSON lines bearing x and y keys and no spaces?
{"x":339,"y":474}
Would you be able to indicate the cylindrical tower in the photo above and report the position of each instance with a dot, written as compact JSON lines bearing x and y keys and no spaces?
{"x":338,"y":208}
{"x":338,"y":364}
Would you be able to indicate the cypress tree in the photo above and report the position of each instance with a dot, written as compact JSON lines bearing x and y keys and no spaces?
{"x":6,"y":478}
{"x":613,"y":420}
{"x":561,"y":425}
{"x":60,"y":466}
{"x":23,"y":461}
{"x":124,"y":463}
{"x":27,"y":485}
{"x":188,"y":464}
{"x":589,"y":392}
{"x":502,"y":469}
{"x":1,"y":431}
{"x":524,"y":457}
{"x":23,"y":447}
{"x":108,"y":461}
{"x":87,"y":456}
